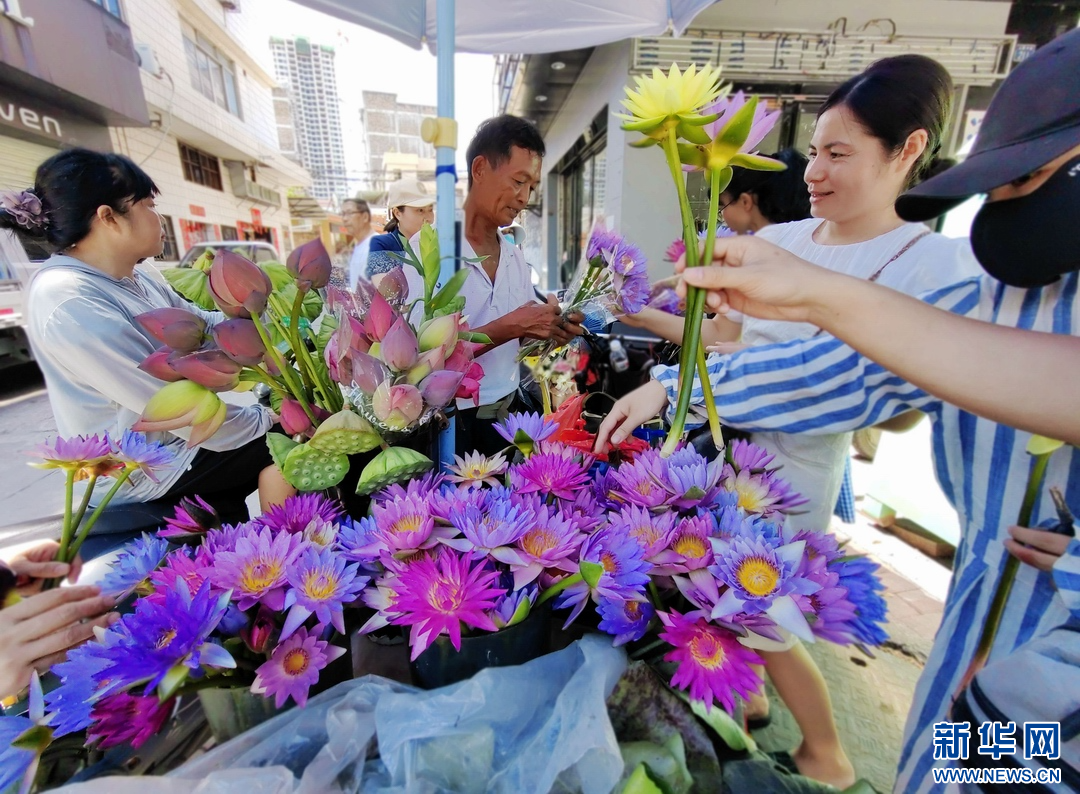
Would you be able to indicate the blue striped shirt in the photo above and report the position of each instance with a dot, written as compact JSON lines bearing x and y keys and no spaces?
{"x":821,"y":385}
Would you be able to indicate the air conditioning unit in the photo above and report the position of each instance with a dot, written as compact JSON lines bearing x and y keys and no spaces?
{"x":230,"y":5}
{"x":147,"y":60}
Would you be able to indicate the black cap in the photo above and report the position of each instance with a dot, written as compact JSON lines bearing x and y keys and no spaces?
{"x":1033,"y":119}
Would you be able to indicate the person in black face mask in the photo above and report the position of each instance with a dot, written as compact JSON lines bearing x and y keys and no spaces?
{"x":992,"y":360}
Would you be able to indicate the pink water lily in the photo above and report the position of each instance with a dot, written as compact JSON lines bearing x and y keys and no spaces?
{"x":176,"y":328}
{"x":240,"y":340}
{"x":238,"y":286}
{"x":310,"y":265}
{"x":397,"y":407}
{"x":158,"y":364}
{"x":399,"y":348}
{"x":210,"y":368}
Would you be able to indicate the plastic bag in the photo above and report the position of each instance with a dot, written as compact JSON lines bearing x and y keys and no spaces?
{"x":539,"y":727}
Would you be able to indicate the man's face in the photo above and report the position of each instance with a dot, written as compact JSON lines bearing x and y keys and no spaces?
{"x":357,"y":222}
{"x":502,"y":193}
{"x":1026,"y":185}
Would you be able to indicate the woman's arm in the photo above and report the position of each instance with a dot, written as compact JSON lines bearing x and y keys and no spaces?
{"x":1025,"y":379}
{"x":714,"y":330}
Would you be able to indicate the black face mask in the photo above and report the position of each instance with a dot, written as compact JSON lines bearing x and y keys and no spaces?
{"x":1033,"y":240}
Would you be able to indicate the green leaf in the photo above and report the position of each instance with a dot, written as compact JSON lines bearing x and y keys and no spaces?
{"x":173,"y":680}
{"x":449,"y":291}
{"x":280,"y":446}
{"x":522,"y":612}
{"x":279,"y":276}
{"x":192,"y":284}
{"x":721,"y":722}
{"x":755,"y":162}
{"x":327,"y":325}
{"x":35,"y":739}
{"x":456,"y":305}
{"x":736,"y":131}
{"x":473,"y":336}
{"x":591,"y":572}
{"x":641,"y":783}
{"x":665,"y":764}
{"x":429,"y":255}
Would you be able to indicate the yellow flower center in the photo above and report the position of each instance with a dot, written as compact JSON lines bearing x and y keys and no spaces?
{"x":295,"y":662}
{"x":707,"y":650}
{"x":166,"y":638}
{"x":477,"y":472}
{"x":645,"y":488}
{"x":691,"y":547}
{"x":318,"y":585}
{"x":444,"y":598}
{"x":409,"y":523}
{"x":757,"y":576}
{"x":609,"y":561}
{"x":538,"y":541}
{"x":752,"y":495}
{"x":632,"y":610}
{"x":646,"y":534}
{"x":261,"y":574}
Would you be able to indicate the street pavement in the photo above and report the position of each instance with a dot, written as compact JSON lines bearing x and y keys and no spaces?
{"x":871,"y":697}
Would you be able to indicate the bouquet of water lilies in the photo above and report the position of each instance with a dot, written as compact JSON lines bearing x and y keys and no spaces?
{"x":258,"y":605}
{"x":692,"y":554}
{"x":698,"y":128}
{"x":346,"y":375}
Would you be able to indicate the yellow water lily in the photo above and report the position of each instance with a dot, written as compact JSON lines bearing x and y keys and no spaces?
{"x":1041,"y":445}
{"x":672,"y":101}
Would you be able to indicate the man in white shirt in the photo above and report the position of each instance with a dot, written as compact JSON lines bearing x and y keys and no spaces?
{"x":356,"y":217}
{"x":504,"y":159}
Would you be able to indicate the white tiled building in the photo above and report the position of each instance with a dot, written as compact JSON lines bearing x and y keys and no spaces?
{"x":391,"y":136}
{"x":306,"y":72}
{"x":212,"y":146}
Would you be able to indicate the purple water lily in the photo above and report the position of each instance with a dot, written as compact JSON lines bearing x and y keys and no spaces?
{"x":257,"y":567}
{"x":492,"y":531}
{"x":320,"y":583}
{"x":628,"y":620}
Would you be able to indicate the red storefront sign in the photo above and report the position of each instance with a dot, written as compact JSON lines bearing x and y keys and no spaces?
{"x":197,"y":211}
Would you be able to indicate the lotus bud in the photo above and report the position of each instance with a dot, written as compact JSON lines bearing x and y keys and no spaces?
{"x":368,"y":372}
{"x":398,"y":349}
{"x":241,"y":341}
{"x":333,"y":359}
{"x":158,"y":364}
{"x":440,"y":332}
{"x":431,"y":361}
{"x":355,"y":334}
{"x":210,"y":368}
{"x":394,"y":286}
{"x":379,"y":318}
{"x":238,"y":286}
{"x":257,"y":636}
{"x":310,"y":265}
{"x":461,"y":358}
{"x":183,"y":404}
{"x":470,"y":385}
{"x":439,"y":388}
{"x":294,"y":420}
{"x":176,"y":328}
{"x":397,"y":407}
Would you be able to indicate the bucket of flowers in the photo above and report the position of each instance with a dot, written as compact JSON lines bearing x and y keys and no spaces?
{"x":247,"y":617}
{"x":354,"y":373}
{"x":681,"y":558}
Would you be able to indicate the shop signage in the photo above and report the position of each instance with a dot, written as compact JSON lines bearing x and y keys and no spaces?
{"x":45,"y":123}
{"x":197,"y":211}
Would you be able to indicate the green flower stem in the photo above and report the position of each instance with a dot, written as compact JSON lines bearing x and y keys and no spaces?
{"x":68,"y":528}
{"x":286,"y":371}
{"x":84,"y":531}
{"x":695,"y":299}
{"x":335,"y":402}
{"x":77,"y":519}
{"x":641,"y":653}
{"x":1008,"y":576}
{"x":558,"y":587}
{"x":303,"y":355}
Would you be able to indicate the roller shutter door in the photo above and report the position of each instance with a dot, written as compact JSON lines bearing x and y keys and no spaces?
{"x":19,"y":160}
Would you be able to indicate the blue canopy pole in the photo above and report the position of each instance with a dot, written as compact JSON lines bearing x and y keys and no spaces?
{"x":446,"y":176}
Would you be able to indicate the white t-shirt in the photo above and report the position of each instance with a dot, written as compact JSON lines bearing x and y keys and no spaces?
{"x":485,"y":302}
{"x":358,"y":261}
{"x":814,"y":465}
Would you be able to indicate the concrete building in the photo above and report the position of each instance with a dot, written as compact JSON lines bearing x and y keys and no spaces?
{"x":790,"y":52}
{"x":212,"y":144}
{"x":307,"y":74}
{"x":392,"y":128}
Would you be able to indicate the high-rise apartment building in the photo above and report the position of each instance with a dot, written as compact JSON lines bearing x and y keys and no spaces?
{"x":393,"y":128}
{"x":306,"y":72}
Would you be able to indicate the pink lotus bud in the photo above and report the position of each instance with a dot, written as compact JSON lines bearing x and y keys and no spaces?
{"x":397,"y":406}
{"x":310,"y":265}
{"x":470,"y":386}
{"x":368,"y":372}
{"x":176,"y":328}
{"x":183,"y":404}
{"x":354,"y":334}
{"x":394,"y":286}
{"x":238,"y":286}
{"x":380,"y":317}
{"x":241,"y":341}
{"x":460,"y":359}
{"x":210,"y":368}
{"x":157,"y":364}
{"x":257,"y":636}
{"x":440,"y":332}
{"x":431,"y":361}
{"x":439,"y":388}
{"x":293,"y":419}
{"x":398,"y":349}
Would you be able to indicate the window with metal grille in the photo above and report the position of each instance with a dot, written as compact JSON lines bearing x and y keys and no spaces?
{"x":212,"y":73}
{"x":112,"y":6}
{"x":169,"y":253}
{"x":200,"y":167}
{"x":229,"y":233}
